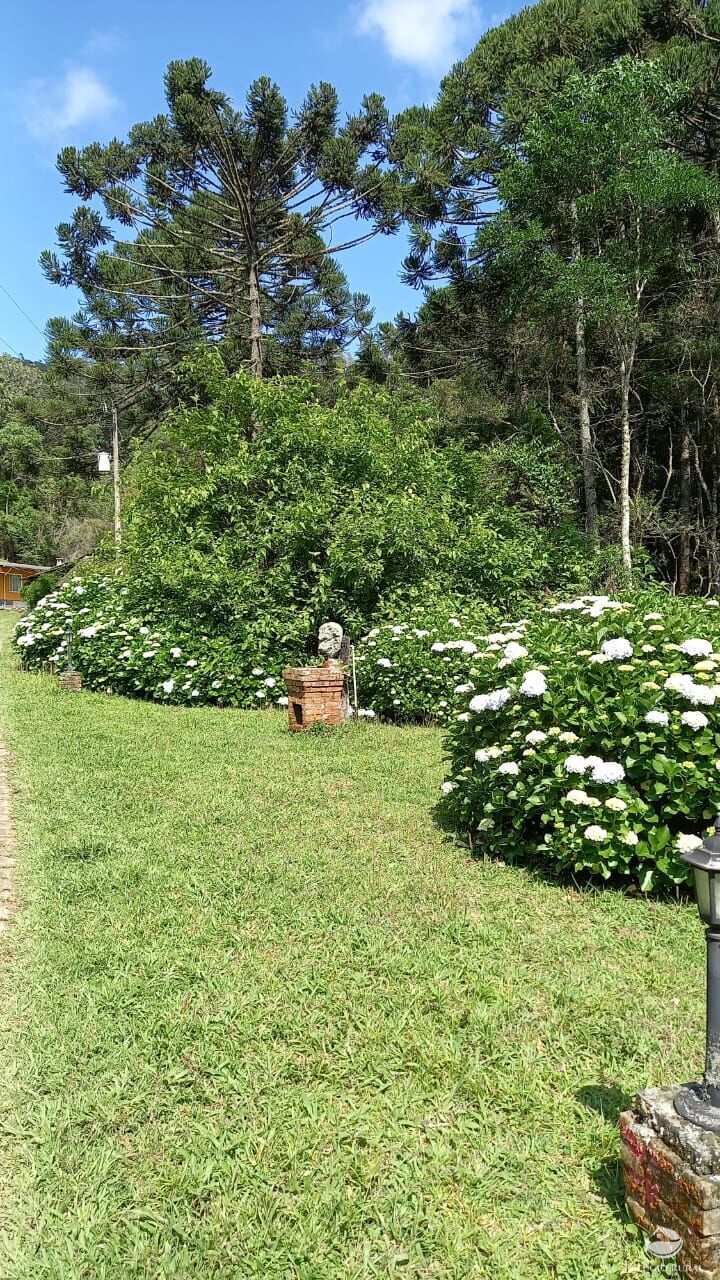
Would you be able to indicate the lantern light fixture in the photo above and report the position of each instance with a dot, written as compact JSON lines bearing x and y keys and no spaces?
{"x":700,"y":1102}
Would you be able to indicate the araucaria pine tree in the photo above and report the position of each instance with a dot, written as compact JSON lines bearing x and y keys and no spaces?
{"x":223,"y":224}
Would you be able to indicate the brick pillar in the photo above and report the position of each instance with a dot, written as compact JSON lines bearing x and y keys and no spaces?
{"x":70,"y":680}
{"x":314,"y":695}
{"x":672,"y":1180}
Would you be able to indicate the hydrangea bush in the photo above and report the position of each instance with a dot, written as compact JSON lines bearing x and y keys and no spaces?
{"x":408,"y":670}
{"x":588,"y":737}
{"x":118,"y":649}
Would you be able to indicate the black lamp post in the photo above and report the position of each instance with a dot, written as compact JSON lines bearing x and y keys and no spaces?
{"x":700,"y":1103}
{"x":69,"y":654}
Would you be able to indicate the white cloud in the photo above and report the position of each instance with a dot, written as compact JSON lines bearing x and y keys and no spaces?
{"x":429,"y":34}
{"x":50,"y":108}
{"x":102,"y":42}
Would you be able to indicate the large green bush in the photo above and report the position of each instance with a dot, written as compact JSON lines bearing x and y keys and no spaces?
{"x":255,"y":513}
{"x":260,"y":506}
{"x":588,"y":737}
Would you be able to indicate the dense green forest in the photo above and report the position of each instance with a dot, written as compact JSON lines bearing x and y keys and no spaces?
{"x":563,"y":203}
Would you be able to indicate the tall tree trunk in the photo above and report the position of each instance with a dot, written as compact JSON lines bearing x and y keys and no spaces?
{"x":713,"y":539}
{"x":256,"y":353}
{"x":683,"y":566}
{"x":626,"y":365}
{"x":586,"y":449}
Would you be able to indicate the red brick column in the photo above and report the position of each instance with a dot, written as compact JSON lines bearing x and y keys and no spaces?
{"x":672,"y":1180}
{"x":314,"y":695}
{"x":70,"y":680}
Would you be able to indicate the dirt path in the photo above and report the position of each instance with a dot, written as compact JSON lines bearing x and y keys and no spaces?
{"x":7,"y":831}
{"x":7,"y":846}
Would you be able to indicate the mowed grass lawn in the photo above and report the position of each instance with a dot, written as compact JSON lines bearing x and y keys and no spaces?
{"x":260,"y":1018}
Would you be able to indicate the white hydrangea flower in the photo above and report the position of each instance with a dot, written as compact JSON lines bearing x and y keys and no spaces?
{"x":568,"y":736}
{"x":535,"y":736}
{"x":694,"y":719}
{"x":216,"y":684}
{"x":653,"y":617}
{"x":514,"y":651}
{"x":630,"y":838}
{"x":686,"y":844}
{"x":695,"y":648}
{"x":534,"y":684}
{"x":168,"y":685}
{"x":490,"y":701}
{"x":191,"y":662}
{"x":261,"y":693}
{"x":616,"y":804}
{"x":271,"y":682}
{"x":464,"y":716}
{"x":509,"y":767}
{"x":144,"y":631}
{"x":258,"y":671}
{"x":697,"y":694}
{"x":282,"y":702}
{"x":575,"y":764}
{"x":437,"y":647}
{"x":464,"y":688}
{"x":175,"y":652}
{"x":362,"y":711}
{"x":447,"y":787}
{"x":658,"y":717}
{"x":607,"y":771}
{"x":87,"y":633}
{"x":617,"y":649}
{"x":597,"y":834}
{"x":383,"y":662}
{"x":577,"y":797}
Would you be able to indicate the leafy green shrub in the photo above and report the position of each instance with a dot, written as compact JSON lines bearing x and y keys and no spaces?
{"x":36,"y":588}
{"x":255,"y":501}
{"x":407,"y":670}
{"x":590,"y":738}
{"x":119,"y":649}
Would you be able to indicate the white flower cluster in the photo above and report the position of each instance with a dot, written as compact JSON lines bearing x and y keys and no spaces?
{"x":602,"y":771}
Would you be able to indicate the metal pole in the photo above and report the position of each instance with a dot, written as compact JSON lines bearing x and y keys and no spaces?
{"x":69,"y":638}
{"x":354,"y":675}
{"x":712,"y":1047}
{"x":116,"y":479}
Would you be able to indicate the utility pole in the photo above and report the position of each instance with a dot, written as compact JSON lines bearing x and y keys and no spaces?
{"x":116,"y":478}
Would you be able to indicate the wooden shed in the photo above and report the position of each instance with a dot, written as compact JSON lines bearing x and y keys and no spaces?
{"x":13,"y":576}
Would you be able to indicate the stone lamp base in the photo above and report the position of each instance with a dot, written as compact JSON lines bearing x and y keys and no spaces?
{"x":71,"y":681}
{"x":672,"y":1180}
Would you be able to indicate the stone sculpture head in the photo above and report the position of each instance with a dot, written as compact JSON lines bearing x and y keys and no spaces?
{"x":330,"y":638}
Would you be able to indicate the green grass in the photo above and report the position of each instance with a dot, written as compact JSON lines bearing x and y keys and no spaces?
{"x":261,"y":1019}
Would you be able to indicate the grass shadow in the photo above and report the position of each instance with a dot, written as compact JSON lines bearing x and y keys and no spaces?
{"x":609,"y":1102}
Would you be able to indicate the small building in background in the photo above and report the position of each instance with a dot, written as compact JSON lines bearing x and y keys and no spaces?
{"x":13,"y":576}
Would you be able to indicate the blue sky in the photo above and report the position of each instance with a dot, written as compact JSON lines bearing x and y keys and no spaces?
{"x":72,"y":74}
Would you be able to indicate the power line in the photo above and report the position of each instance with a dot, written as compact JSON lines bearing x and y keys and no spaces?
{"x":22,"y":310}
{"x":8,"y":344}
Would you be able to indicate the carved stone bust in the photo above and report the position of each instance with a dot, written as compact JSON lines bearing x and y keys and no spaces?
{"x":330,"y":638}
